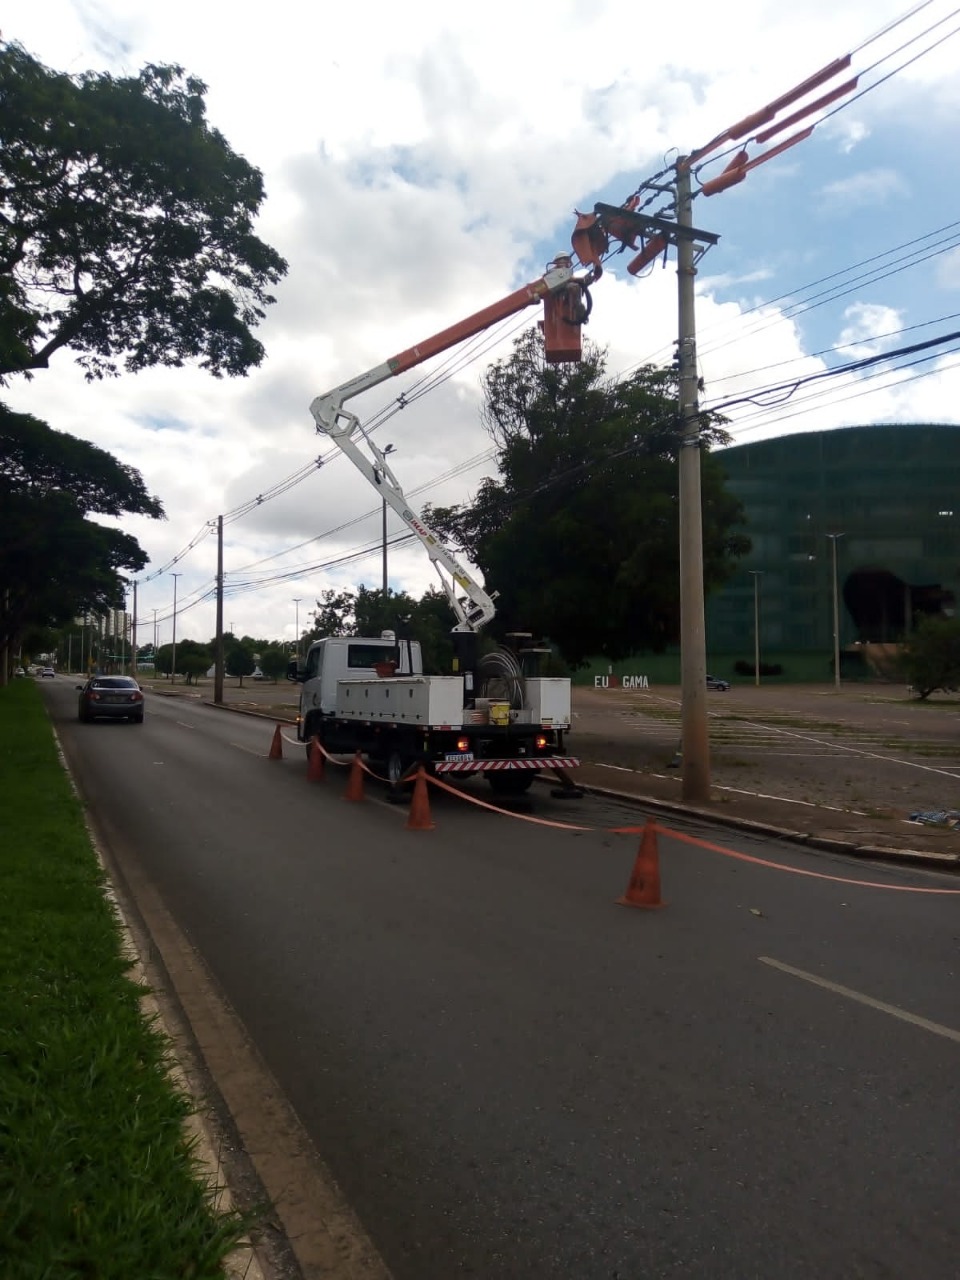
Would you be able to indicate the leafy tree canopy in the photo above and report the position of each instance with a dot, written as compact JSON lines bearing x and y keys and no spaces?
{"x":274,"y":660}
{"x":367,"y":612}
{"x":334,"y":615}
{"x":580,"y":535}
{"x":238,"y":660}
{"x":931,"y":657}
{"x":126,"y":225}
{"x":55,"y":562}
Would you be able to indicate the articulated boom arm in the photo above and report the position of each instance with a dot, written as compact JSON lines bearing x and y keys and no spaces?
{"x":567,"y":293}
{"x":478,"y":608}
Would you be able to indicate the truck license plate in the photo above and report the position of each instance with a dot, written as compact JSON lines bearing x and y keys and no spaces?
{"x":459,"y":755}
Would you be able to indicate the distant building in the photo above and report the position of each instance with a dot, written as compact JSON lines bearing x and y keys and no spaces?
{"x":891,"y":494}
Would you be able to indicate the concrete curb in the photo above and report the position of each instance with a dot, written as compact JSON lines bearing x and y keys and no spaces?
{"x":914,"y":857}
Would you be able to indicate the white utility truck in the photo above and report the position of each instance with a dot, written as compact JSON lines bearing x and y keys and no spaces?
{"x":495,"y":714}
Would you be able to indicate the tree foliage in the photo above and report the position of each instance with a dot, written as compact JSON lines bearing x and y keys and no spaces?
{"x":55,"y":561}
{"x":429,"y":620}
{"x":367,"y":612}
{"x":931,"y":657}
{"x":126,"y":224}
{"x":193,"y":660}
{"x":580,"y":534}
{"x":274,"y":660}
{"x":334,"y":615}
{"x":238,"y":660}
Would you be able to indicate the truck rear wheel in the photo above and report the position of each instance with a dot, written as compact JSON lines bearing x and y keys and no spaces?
{"x":510,"y":782}
{"x":397,"y":766}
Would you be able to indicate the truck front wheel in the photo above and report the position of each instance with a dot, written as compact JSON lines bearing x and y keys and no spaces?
{"x":510,"y":782}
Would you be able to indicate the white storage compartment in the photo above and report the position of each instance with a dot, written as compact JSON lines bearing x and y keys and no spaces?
{"x":547,"y":701}
{"x":424,"y":700}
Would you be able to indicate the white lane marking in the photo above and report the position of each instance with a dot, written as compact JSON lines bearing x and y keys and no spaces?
{"x":894,"y":1011}
{"x":839,"y":747}
{"x":738,"y":791}
{"x":183,"y":725}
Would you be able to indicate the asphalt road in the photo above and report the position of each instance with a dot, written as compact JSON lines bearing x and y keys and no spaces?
{"x":511,"y":1076}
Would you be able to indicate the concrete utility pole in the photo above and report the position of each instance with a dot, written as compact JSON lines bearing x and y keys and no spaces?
{"x":218,"y":656}
{"x":693,"y":653}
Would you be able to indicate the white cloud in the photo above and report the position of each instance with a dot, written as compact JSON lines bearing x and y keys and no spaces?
{"x":422,"y":161}
{"x":866,"y":189}
{"x":870,"y":329}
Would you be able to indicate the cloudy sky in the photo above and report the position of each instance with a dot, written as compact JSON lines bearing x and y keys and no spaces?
{"x":423,"y":160}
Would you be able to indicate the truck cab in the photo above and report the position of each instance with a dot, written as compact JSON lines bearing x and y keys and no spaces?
{"x":337,"y":658}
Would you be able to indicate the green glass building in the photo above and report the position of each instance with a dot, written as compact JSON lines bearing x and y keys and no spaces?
{"x":871,"y":513}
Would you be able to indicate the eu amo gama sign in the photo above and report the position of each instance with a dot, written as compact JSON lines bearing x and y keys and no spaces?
{"x":621,"y":682}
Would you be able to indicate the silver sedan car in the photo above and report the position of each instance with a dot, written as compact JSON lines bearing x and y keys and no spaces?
{"x":110,"y":698}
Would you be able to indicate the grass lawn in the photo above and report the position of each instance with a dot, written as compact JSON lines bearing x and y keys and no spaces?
{"x":97,"y":1176}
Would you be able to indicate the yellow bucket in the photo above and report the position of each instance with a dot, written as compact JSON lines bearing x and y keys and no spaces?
{"x":499,"y":712}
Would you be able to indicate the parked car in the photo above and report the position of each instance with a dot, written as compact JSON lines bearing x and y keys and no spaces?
{"x":110,"y":698}
{"x":19,"y":671}
{"x":48,"y":673}
{"x":714,"y":682}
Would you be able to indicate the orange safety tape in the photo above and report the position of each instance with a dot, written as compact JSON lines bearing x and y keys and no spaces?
{"x":524,"y":817}
{"x":347,"y":764}
{"x":667,"y":831}
{"x":777,"y":866}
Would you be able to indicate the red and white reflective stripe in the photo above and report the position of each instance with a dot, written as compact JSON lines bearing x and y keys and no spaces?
{"x":488,"y":766}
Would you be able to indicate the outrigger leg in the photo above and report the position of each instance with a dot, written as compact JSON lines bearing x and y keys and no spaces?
{"x":567,"y":790}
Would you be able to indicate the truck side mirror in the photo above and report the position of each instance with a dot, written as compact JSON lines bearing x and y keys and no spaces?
{"x":294,"y":671}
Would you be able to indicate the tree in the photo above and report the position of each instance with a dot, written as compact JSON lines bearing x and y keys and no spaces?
{"x":334,"y":615}
{"x":274,"y":660}
{"x":126,"y":225}
{"x":55,"y":562}
{"x":580,"y":535}
{"x":193,"y":659}
{"x":931,"y":657}
{"x":238,"y":661}
{"x":163,"y":660}
{"x":429,"y":620}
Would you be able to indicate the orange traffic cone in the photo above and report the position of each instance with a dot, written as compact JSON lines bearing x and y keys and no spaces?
{"x":316,"y":762}
{"x":419,"y":818}
{"x":354,"y":789}
{"x":276,"y":746}
{"x":644,"y":887}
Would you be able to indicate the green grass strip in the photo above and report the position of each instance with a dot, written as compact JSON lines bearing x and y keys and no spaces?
{"x":97,"y":1176}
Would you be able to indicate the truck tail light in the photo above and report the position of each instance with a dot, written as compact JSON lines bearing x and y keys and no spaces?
{"x":463,"y":744}
{"x":541,"y":741}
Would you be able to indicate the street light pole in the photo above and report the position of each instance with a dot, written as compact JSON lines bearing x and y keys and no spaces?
{"x":757,"y":575}
{"x":388,"y":449}
{"x":836,"y":614}
{"x":296,"y":601}
{"x":173,"y":659}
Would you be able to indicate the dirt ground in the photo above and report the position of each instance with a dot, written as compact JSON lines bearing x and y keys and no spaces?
{"x":851,"y":765}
